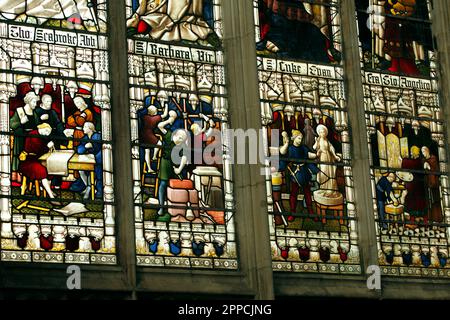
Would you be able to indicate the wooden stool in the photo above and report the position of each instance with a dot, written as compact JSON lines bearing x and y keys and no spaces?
{"x":37,"y":187}
{"x":394,"y":213}
{"x":338,"y":210}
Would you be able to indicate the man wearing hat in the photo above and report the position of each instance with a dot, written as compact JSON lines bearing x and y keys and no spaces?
{"x":301,"y":173}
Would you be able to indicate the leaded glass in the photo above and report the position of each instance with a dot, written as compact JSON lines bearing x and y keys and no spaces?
{"x":56,"y":167}
{"x":406,"y":137}
{"x":183,"y":210}
{"x":310,"y":193}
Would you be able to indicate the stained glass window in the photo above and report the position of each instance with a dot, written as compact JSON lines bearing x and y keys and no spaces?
{"x":310,"y":193}
{"x":183,"y":208}
{"x":405,"y":136}
{"x":56,"y":167}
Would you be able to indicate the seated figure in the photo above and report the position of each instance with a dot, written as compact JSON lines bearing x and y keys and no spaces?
{"x":90,"y":143}
{"x":36,"y":145}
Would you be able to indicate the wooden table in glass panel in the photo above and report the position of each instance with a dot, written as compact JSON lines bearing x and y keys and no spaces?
{"x":77,"y":164}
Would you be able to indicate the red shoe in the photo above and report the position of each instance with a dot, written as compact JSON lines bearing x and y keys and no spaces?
{"x":143,"y":27}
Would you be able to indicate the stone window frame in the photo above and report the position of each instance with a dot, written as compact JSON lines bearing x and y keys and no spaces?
{"x":255,"y":278}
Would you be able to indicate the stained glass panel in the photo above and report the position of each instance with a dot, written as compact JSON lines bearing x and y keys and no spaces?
{"x":396,"y":36}
{"x":310,"y":193}
{"x":83,"y":15}
{"x":406,"y":137}
{"x":56,"y":168}
{"x":183,"y":209}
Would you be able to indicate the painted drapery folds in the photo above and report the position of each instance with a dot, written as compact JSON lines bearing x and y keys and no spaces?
{"x":56,"y":186}
{"x":310,"y":192}
{"x":87,"y":15}
{"x":396,"y":36}
{"x":406,"y":137}
{"x":183,"y":208}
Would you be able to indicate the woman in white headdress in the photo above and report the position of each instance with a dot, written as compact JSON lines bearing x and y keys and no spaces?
{"x":327,"y":155}
{"x":172,"y":20}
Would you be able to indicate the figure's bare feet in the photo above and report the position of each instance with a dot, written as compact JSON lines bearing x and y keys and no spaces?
{"x":272,"y":47}
{"x":86,"y":193}
{"x":133,"y":21}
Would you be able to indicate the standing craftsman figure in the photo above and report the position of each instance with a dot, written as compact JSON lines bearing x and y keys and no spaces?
{"x":299,"y":170}
{"x":384,"y":195}
{"x":148,"y":135}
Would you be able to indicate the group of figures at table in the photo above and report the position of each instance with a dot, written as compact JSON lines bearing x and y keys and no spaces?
{"x":408,"y":178}
{"x":43,"y":119}
{"x":310,"y":150}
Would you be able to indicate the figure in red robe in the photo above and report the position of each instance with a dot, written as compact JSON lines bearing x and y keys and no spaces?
{"x":37,"y":144}
{"x":284,"y":120}
{"x":402,"y":31}
{"x":148,"y":132}
{"x":431,"y":165}
{"x":415,"y":203}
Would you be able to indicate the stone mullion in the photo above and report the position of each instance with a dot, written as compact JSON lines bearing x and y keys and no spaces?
{"x":440,"y":25}
{"x":252,"y":223}
{"x":360,"y":158}
{"x":123,"y":184}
